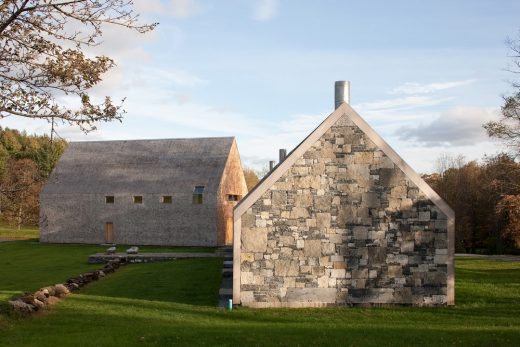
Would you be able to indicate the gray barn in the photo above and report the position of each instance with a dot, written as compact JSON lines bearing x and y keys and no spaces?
{"x":144,"y":192}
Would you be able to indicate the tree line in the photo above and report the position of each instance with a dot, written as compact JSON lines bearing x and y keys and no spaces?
{"x":486,"y":199}
{"x":25,"y":164}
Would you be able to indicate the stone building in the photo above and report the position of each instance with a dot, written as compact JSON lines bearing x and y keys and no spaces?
{"x":343,"y":220}
{"x":144,"y":192}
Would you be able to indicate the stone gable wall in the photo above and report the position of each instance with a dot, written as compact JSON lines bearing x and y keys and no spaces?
{"x":343,"y":226}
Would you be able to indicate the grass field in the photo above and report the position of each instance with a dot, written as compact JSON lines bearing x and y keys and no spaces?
{"x":172,"y":303}
{"x":25,"y":233}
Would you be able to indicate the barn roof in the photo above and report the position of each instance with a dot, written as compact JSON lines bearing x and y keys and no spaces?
{"x":140,"y":166}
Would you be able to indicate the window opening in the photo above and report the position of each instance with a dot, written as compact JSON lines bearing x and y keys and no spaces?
{"x":197,"y":195}
{"x":233,"y":197}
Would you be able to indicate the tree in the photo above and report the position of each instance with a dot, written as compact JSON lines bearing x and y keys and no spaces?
{"x":43,"y":58}
{"x":251,"y":178}
{"x":507,"y":128}
{"x":20,"y":187}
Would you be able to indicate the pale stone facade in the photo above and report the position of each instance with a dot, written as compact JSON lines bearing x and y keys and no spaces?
{"x":343,"y":224}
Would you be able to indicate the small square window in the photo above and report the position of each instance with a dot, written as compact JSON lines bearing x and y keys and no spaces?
{"x":109,"y":199}
{"x":197,"y":195}
{"x":138,"y":199}
{"x":166,"y":199}
{"x":233,"y":197}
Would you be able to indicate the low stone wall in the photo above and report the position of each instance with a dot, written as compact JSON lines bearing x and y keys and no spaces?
{"x":30,"y":303}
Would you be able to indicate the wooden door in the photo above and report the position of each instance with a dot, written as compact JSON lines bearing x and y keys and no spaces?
{"x":229,"y":231}
{"x":109,"y":232}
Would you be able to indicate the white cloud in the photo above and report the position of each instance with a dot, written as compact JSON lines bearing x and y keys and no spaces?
{"x":418,"y":88}
{"x":401,"y":103}
{"x":460,"y":126}
{"x":265,"y":10}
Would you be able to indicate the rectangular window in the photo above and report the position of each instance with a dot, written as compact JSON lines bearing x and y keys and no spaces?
{"x":109,"y":199}
{"x":166,"y":199}
{"x":197,"y":195}
{"x":138,"y":199}
{"x":233,"y":197}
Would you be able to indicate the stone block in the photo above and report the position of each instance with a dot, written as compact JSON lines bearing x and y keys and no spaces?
{"x":407,"y":246}
{"x":360,"y":232}
{"x":371,"y":199}
{"x":246,"y":277}
{"x":440,"y":259}
{"x":248,"y":220}
{"x":278,"y":198}
{"x":399,"y":192}
{"x":248,"y":257}
{"x":337,"y":273}
{"x":339,"y":265}
{"x":322,"y":202}
{"x":395,"y":270}
{"x":247,"y":296}
{"x":300,"y":244}
{"x":286,"y":240}
{"x":289,"y":282}
{"x":423,"y":237}
{"x":323,"y":282}
{"x":424,"y":216}
{"x":362,"y":273}
{"x":336,"y":238}
{"x":254,"y":239}
{"x":312,"y":248}
{"x":323,"y":220}
{"x":285,"y":267}
{"x":328,"y":248}
{"x":372,"y":274}
{"x":323,"y":295}
{"x":299,"y":212}
{"x":376,"y":235}
{"x":303,"y":200}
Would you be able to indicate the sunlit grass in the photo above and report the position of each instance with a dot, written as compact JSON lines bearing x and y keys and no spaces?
{"x":172,"y":303}
{"x":8,"y":232}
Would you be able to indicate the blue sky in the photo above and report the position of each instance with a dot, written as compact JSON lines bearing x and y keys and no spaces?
{"x":425,"y":75}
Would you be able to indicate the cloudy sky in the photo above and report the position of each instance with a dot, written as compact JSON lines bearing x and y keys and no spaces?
{"x":425,"y":75}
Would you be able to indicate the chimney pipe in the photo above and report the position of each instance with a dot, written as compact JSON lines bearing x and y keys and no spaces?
{"x":282,"y":153}
{"x":271,"y":165}
{"x":341,"y":93}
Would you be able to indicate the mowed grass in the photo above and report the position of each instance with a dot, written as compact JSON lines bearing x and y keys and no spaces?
{"x":7,"y":232}
{"x":172,"y":303}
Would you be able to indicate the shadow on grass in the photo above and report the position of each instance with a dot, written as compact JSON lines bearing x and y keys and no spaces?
{"x":188,"y":281}
{"x":132,"y":322}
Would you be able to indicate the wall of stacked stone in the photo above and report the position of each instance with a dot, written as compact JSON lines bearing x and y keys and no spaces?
{"x":343,"y":226}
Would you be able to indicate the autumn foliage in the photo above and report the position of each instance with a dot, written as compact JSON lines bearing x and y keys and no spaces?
{"x":486,"y":200}
{"x":25,"y":163}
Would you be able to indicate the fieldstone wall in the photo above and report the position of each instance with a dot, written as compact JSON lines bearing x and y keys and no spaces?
{"x":344,"y":225}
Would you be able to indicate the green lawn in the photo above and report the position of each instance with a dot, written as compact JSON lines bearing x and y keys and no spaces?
{"x":172,"y":303}
{"x":25,"y":233}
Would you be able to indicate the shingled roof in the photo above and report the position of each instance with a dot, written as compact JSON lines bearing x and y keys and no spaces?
{"x":144,"y":166}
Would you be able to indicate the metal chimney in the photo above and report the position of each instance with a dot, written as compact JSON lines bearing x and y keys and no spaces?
{"x":282,"y":153}
{"x":341,"y":93}
{"x":271,"y":165}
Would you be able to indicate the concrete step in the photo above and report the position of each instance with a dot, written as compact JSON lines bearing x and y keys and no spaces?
{"x":228,"y":264}
{"x":226,"y":292}
{"x":227,"y":272}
